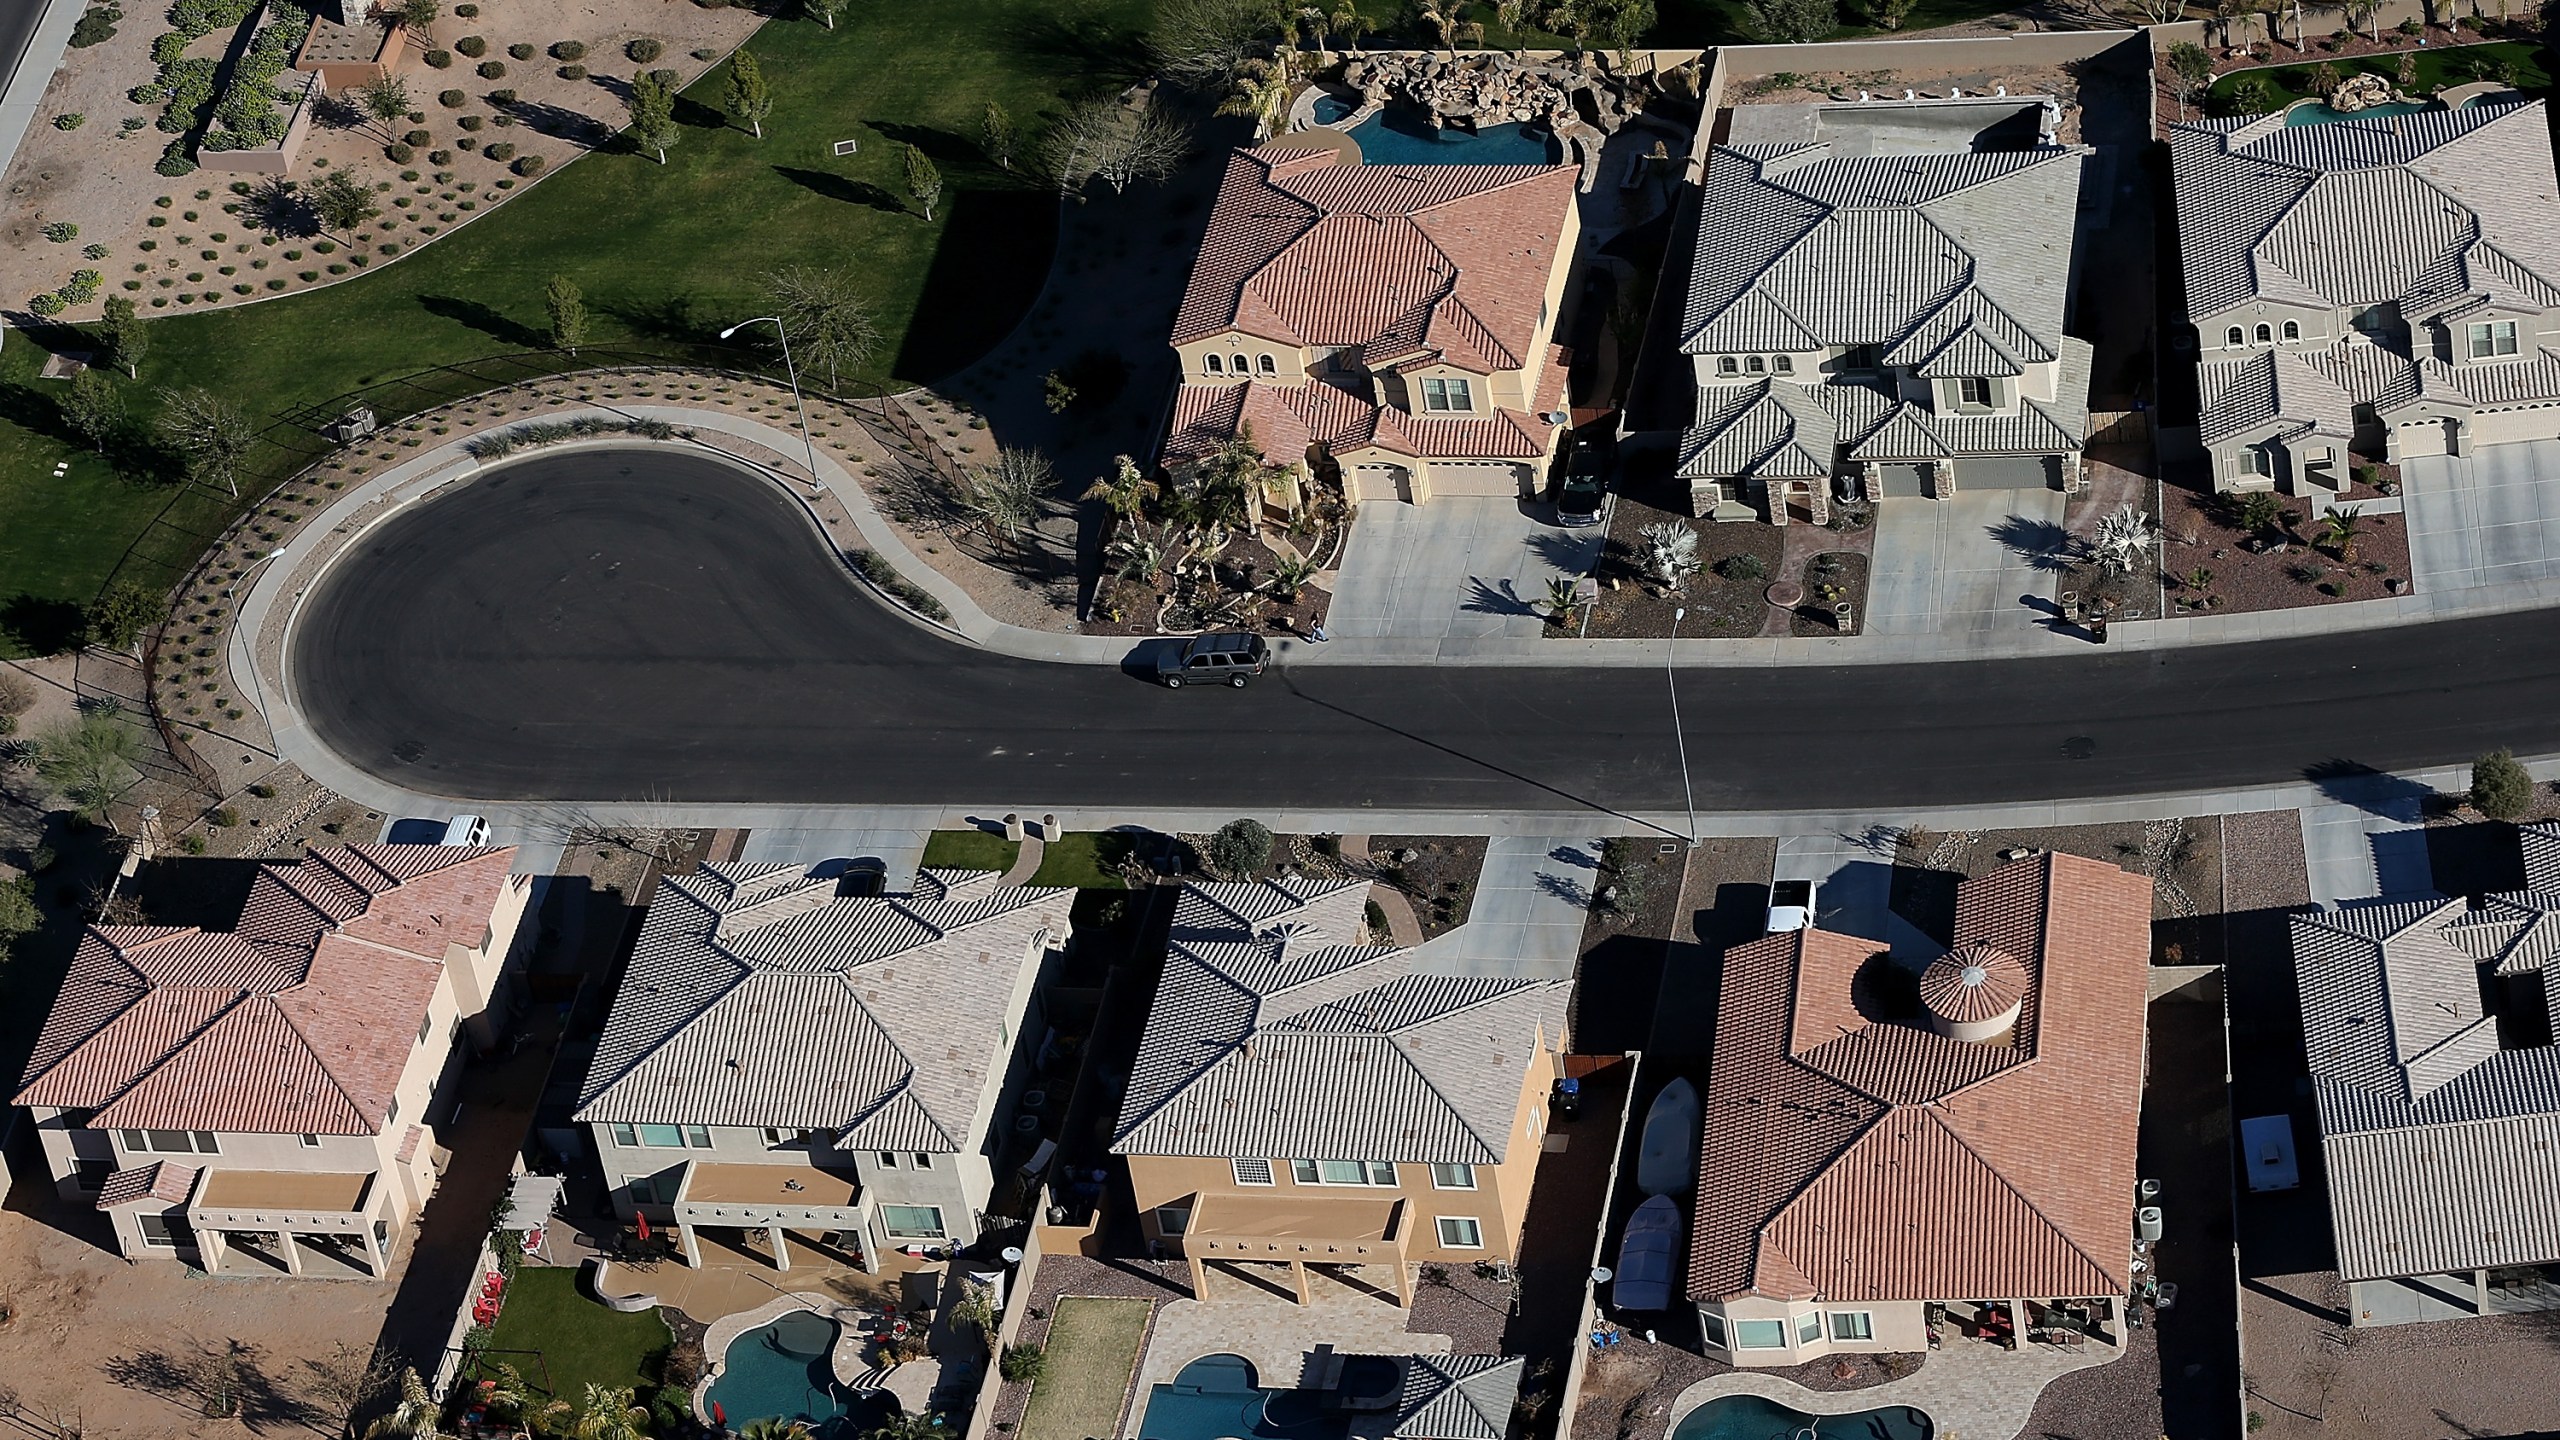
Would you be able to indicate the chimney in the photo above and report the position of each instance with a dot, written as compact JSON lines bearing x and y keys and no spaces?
{"x":1973,"y":993}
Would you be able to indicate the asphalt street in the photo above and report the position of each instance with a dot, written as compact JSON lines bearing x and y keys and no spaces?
{"x":605,"y":626}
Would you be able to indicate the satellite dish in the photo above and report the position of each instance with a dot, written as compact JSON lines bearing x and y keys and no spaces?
{"x":1012,"y":1254}
{"x":1602,"y":1274}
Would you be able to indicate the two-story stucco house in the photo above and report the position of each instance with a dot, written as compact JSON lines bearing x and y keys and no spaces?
{"x":1394,"y":321}
{"x":1879,"y":312}
{"x":2387,"y":284}
{"x":785,"y":1056}
{"x":264,"y":1099}
{"x":1865,"y":1163}
{"x":1302,"y":1098}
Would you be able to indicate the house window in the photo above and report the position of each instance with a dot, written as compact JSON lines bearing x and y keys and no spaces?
{"x":913,"y":1222}
{"x":2233,"y":337}
{"x":1453,"y":1177}
{"x":2257,"y":460}
{"x":1727,"y":365}
{"x":1252,"y":1172}
{"x":2292,"y":330}
{"x":662,"y":1137}
{"x":1809,"y":1328}
{"x":164,"y":1232}
{"x":1853,"y":1325}
{"x":1213,"y":364}
{"x":1756,"y":365}
{"x":1784,"y":364}
{"x":1342,"y":1172}
{"x":426,"y":1026}
{"x":625,"y":1136}
{"x":170,"y":1142}
{"x":778,"y":1138}
{"x":642,"y":1188}
{"x":310,"y":1142}
{"x":2497,"y":337}
{"x":697,"y":1137}
{"x":1270,"y":366}
{"x":2266,"y":334}
{"x":391,"y":1112}
{"x":1861,"y":357}
{"x":1973,"y":390}
{"x":1714,"y":1326}
{"x":1759,"y":1334}
{"x":888,"y":1160}
{"x":2371,"y":318}
{"x":1457,"y":1232}
{"x":1172,"y":1220}
{"x":923,"y":1160}
{"x":1449,"y":394}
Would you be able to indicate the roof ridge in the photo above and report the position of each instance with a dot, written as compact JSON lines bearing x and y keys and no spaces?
{"x":1199,"y":1072}
{"x":1938,"y":1117}
{"x":1466,"y":1123}
{"x":320,"y":1061}
{"x":175,"y":1046}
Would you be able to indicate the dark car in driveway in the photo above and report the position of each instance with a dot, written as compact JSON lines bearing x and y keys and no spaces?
{"x":1214,"y":659}
{"x":1585,"y":484}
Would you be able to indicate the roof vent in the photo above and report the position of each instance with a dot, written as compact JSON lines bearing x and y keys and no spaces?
{"x":1973,"y":993}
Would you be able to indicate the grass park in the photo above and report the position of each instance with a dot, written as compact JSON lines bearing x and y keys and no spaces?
{"x":667,"y":255}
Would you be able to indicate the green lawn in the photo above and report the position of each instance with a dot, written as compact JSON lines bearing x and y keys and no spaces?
{"x":581,"y":1341}
{"x":1093,"y":1357}
{"x":2438,"y":66}
{"x":1085,"y":859}
{"x":970,"y":850}
{"x":667,"y":257}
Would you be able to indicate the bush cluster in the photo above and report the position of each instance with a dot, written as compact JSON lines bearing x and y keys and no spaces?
{"x":520,"y":51}
{"x":569,"y":50}
{"x":472,"y":46}
{"x":503,"y":150}
{"x":643,"y":50}
{"x":908,"y":593}
{"x":452,"y":99}
{"x":493,"y":69}
{"x":534,"y":434}
{"x":438,"y":59}
{"x":528,"y":165}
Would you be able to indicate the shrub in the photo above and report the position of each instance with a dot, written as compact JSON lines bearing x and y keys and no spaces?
{"x":438,"y":59}
{"x":643,"y":50}
{"x":573,"y":72}
{"x":528,"y":165}
{"x":466,"y":12}
{"x":2500,"y":787}
{"x":61,"y":232}
{"x":465,"y":143}
{"x":502,"y":97}
{"x":1023,"y":1362}
{"x":706,"y":52}
{"x":452,"y":99}
{"x":94,"y":252}
{"x":470,"y":122}
{"x":97,"y":26}
{"x":503,"y":150}
{"x":569,"y":50}
{"x":1744,"y":567}
{"x":472,"y":45}
{"x":223,"y":818}
{"x":417,"y":137}
{"x":47,"y":304}
{"x":520,"y":51}
{"x":493,"y":69}
{"x":1240,"y":848}
{"x":69,"y":120}
{"x":399,"y":154}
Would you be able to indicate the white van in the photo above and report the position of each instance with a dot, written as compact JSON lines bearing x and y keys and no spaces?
{"x":466,"y":830}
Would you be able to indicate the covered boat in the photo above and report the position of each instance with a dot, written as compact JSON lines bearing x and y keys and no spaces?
{"x":1667,"y":1156}
{"x":1645,"y":1256}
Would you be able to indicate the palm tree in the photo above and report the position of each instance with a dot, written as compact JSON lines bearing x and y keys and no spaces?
{"x":775,"y":1428}
{"x":2339,"y":529}
{"x":1125,"y":492}
{"x":903,"y":1426}
{"x":604,"y":1414}
{"x":1261,"y":94}
{"x":1290,"y":576}
{"x":414,"y":1418}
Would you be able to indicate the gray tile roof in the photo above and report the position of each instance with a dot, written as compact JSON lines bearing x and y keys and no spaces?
{"x":2438,"y":1143}
{"x":757,"y":995}
{"x":1781,"y":431}
{"x":1448,"y":1397}
{"x":1800,"y":249}
{"x":1275,"y":1035}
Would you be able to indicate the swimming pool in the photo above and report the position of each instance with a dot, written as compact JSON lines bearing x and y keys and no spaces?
{"x":1215,"y":1398}
{"x":2318,"y":113}
{"x":786,"y":1370}
{"x":1332,"y":109}
{"x":1748,"y":1417}
{"x":1398,"y":135}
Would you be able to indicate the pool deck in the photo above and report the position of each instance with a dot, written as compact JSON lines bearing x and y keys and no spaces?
{"x":724,"y":1332}
{"x":1275,"y":1334}
{"x":1968,"y":1391}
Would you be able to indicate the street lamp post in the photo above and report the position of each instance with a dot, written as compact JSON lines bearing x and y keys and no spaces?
{"x":1671,"y":682}
{"x":793,"y":371}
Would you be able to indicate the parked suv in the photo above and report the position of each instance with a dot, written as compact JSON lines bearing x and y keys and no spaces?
{"x":1586,"y":481}
{"x":1214,"y":659}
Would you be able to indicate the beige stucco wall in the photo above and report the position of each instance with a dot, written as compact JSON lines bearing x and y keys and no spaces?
{"x":1899,"y":1325}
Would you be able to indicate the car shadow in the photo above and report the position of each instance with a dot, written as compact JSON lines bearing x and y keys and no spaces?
{"x":1141,"y":663}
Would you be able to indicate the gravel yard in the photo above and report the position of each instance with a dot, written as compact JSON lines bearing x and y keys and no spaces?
{"x":2213,"y":569}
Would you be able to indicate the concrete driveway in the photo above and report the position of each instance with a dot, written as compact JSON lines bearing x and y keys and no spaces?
{"x":1456,"y":568}
{"x":2484,"y":519}
{"x":1962,"y":565}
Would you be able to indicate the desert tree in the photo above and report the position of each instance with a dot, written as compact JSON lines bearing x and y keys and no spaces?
{"x":750,"y":98}
{"x":997,"y":136}
{"x":121,"y":339}
{"x":652,"y":103}
{"x":1790,"y":22}
{"x":567,"y":306}
{"x":1101,"y":139}
{"x":828,"y":316}
{"x":90,"y":760}
{"x":415,"y":16}
{"x":386,"y":100}
{"x":1005,"y":496}
{"x":1201,"y":42}
{"x":2501,"y":788}
{"x":341,"y":200}
{"x":2191,"y":66}
{"x":211,"y":436}
{"x":825,"y":11}
{"x":93,"y":408}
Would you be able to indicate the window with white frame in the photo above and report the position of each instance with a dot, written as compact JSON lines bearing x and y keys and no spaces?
{"x":1853,"y":1325}
{"x":1759,"y":1334}
{"x":1714,"y":1326}
{"x":924,"y":1160}
{"x":1809,"y":1327}
{"x":164,"y":1232}
{"x":1447,"y":393}
{"x":2235,"y":337}
{"x":1342,"y":1172}
{"x":426,"y":1027}
{"x":2493,"y":338}
{"x":643,"y":1189}
{"x":1728,"y":365}
{"x":391,"y":1112}
{"x":1973,"y":390}
{"x":2266,"y":334}
{"x":1270,"y":366}
{"x":778,"y":1137}
{"x":913,"y":1222}
{"x":1460,"y":1232}
{"x":2293,"y":330}
{"x":662,"y":1137}
{"x":1252,"y":1172}
{"x":1173,"y":1220}
{"x":1453,"y":1177}
{"x":2258,"y":460}
{"x":1783,"y":364}
{"x":888,"y":1160}
{"x":1213,"y":364}
{"x":310,"y":1142}
{"x":1757,"y":365}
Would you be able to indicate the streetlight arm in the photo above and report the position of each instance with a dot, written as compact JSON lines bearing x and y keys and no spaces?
{"x":793,"y":371}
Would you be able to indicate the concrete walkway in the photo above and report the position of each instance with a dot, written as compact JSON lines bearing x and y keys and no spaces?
{"x":2367,"y":839}
{"x":1853,"y":889}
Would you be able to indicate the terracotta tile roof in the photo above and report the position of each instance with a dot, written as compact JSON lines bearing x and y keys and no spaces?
{"x":1305,"y":248}
{"x":166,"y":1181}
{"x":297,"y":1022}
{"x":1853,"y":1156}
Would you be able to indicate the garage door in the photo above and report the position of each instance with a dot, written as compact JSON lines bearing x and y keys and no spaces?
{"x":2506,"y":427}
{"x":1902,"y":482}
{"x":1382,"y":482}
{"x":2010,"y":472}
{"x":1496,"y":479}
{"x":2422,"y":437}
